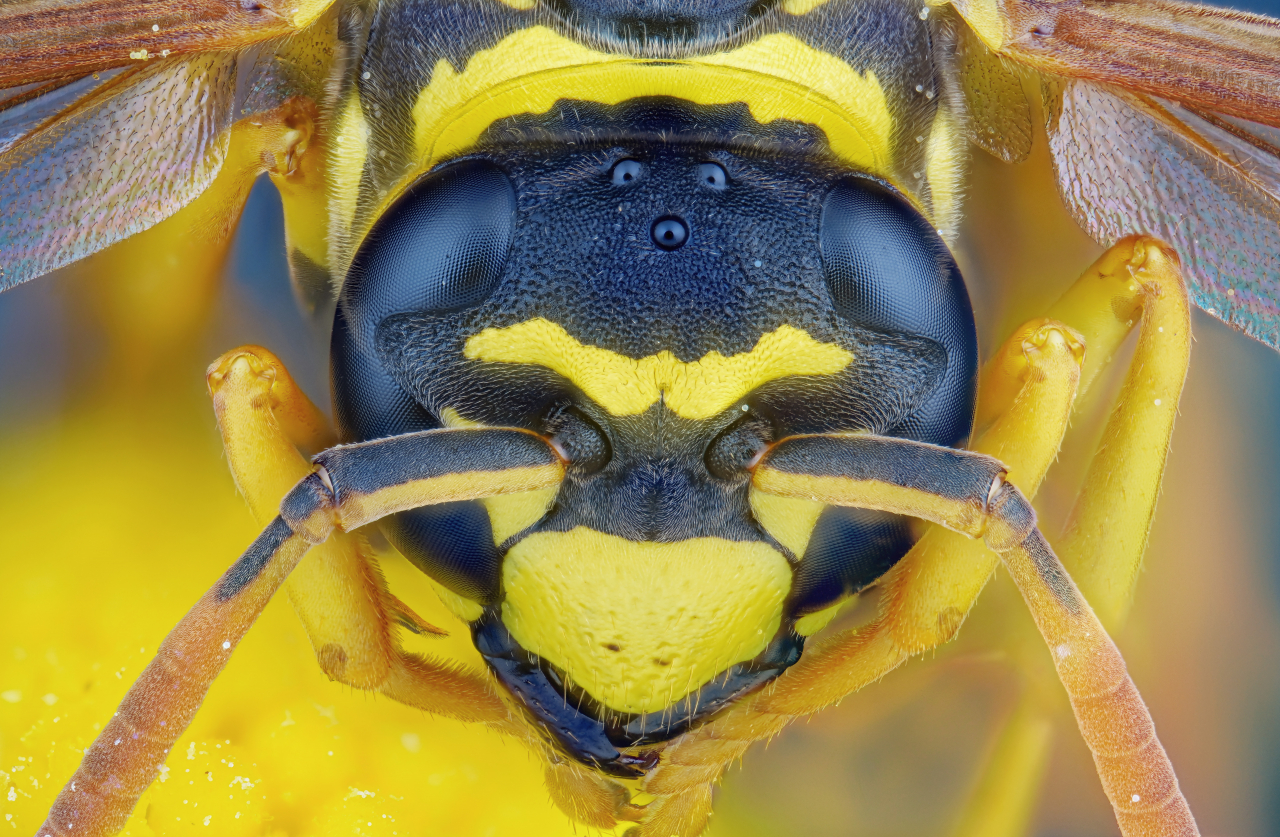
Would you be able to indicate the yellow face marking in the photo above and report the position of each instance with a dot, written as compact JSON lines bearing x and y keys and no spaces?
{"x":789,"y":520}
{"x":777,"y":77}
{"x":641,"y":625}
{"x":468,"y":610}
{"x":801,"y":7}
{"x":627,"y":387}
{"x":454,"y":420}
{"x":508,"y":513}
{"x":814,"y":622}
{"x":513,"y":513}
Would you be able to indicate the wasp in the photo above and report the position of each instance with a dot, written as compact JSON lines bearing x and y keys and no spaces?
{"x":649,"y":348}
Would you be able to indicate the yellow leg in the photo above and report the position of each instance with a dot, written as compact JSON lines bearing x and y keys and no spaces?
{"x":1107,"y":530}
{"x":1004,"y":801}
{"x":352,"y":485}
{"x":150,"y":291}
{"x":303,"y":188}
{"x":337,"y":591}
{"x":127,"y":755}
{"x":584,"y":794}
{"x":1106,"y":535}
{"x":967,"y":493}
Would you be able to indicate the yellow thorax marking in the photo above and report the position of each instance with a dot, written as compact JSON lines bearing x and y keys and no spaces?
{"x":627,"y":387}
{"x":777,"y":76}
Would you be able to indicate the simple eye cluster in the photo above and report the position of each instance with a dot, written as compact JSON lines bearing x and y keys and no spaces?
{"x":669,"y":232}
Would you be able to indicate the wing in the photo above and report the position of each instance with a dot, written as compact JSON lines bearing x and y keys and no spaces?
{"x":122,"y":153}
{"x":50,"y":39}
{"x":1163,"y":118}
{"x":1214,"y":59}
{"x":1129,"y":163}
{"x":88,"y":160}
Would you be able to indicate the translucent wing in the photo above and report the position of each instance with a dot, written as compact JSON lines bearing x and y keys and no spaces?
{"x":87,"y":161}
{"x":24,"y":109}
{"x":109,"y":159}
{"x":49,"y":39}
{"x":1163,"y":119}
{"x":1214,"y":59}
{"x":1207,"y":184}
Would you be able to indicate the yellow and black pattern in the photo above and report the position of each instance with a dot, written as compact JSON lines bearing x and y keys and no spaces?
{"x":663,"y":253}
{"x":422,"y":82}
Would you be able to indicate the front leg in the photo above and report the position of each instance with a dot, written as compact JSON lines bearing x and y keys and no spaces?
{"x":1026,"y":394}
{"x":353,"y":485}
{"x":929,"y":591}
{"x":1106,"y":535}
{"x":967,"y":493}
{"x":338,"y":591}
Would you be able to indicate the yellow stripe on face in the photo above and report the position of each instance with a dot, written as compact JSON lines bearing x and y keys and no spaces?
{"x":627,"y":387}
{"x":640,"y":625}
{"x":508,"y":513}
{"x":777,"y":77}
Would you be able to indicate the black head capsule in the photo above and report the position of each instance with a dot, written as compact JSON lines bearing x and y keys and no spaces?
{"x":670,"y":232}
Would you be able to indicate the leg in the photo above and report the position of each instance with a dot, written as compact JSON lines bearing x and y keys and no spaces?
{"x":130,"y":290}
{"x":927,"y":598}
{"x":337,"y":591}
{"x":127,"y":755}
{"x":354,"y":485}
{"x":1020,"y":420}
{"x":584,"y":794}
{"x":303,"y":189}
{"x":1107,"y":533}
{"x":1106,"y":536}
{"x":967,"y":493}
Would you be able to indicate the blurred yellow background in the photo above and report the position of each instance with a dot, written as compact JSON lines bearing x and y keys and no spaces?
{"x":117,"y":511}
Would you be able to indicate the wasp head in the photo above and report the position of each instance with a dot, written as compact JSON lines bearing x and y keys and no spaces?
{"x":662,"y":309}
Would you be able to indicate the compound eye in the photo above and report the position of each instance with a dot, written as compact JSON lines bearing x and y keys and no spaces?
{"x":441,"y":247}
{"x":888,"y":270}
{"x":885,"y":266}
{"x":713,"y":176}
{"x":626,"y":172}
